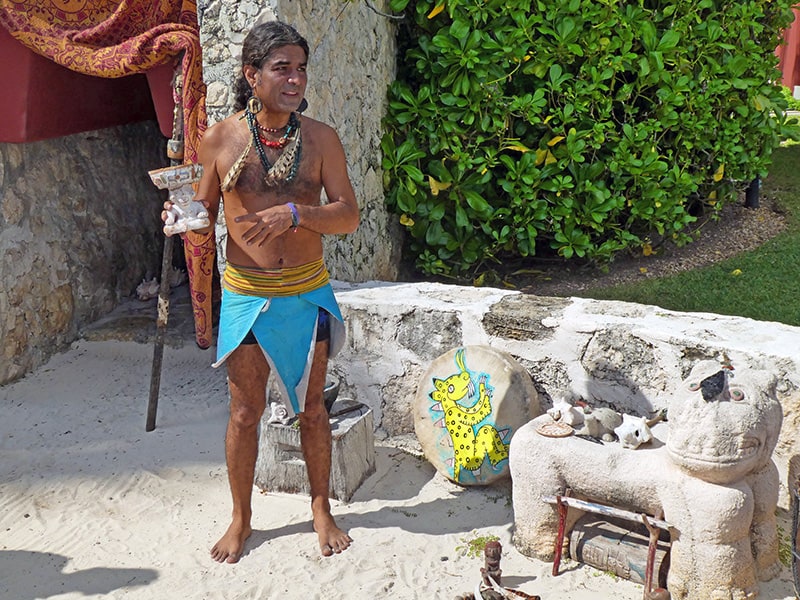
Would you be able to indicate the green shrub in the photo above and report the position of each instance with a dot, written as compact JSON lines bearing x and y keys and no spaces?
{"x":577,"y":127}
{"x":792,"y":103}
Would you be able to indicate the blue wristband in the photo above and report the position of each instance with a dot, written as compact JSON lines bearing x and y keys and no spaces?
{"x":295,"y":215}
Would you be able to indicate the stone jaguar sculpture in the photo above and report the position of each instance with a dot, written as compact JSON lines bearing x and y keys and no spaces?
{"x":713,"y":481}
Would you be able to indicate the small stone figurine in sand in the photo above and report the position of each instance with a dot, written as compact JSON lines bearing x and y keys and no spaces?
{"x":491,"y":572}
{"x":490,"y":588}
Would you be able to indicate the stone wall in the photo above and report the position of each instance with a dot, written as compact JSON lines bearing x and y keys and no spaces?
{"x":79,"y":229}
{"x":351,"y":64}
{"x":629,"y":356}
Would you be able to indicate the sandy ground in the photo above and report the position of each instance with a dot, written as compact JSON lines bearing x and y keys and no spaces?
{"x":92,"y":506}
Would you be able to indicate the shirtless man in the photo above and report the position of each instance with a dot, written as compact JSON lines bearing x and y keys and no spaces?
{"x":278,"y":312}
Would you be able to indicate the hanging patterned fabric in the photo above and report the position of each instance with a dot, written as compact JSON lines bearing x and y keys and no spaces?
{"x":115,"y":38}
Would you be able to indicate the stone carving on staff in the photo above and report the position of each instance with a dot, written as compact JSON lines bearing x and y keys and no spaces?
{"x":185,"y":214}
{"x":708,"y":470}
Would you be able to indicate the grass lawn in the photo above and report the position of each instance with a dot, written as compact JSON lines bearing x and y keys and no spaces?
{"x":763,"y":284}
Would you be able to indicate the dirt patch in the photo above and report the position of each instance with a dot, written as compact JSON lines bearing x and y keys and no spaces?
{"x":738,"y":229}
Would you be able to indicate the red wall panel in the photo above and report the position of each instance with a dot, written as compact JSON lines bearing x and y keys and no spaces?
{"x":41,"y":99}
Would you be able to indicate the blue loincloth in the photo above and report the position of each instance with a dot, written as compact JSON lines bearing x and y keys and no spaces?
{"x":286,"y":329}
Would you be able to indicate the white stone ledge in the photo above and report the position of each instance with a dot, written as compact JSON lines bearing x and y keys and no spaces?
{"x":608,"y":353}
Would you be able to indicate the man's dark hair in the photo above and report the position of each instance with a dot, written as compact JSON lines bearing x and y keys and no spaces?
{"x":262,"y":40}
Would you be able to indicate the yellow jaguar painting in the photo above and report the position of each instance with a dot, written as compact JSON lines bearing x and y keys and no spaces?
{"x":472,"y":442}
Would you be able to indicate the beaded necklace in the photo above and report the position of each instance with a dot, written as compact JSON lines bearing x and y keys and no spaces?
{"x":270,"y":129}
{"x":285,"y":167}
{"x":279,"y":143}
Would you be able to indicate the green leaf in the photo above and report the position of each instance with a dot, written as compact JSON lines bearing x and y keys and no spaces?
{"x":459,"y":29}
{"x":738,"y":65}
{"x":476,"y":202}
{"x":648,"y":34}
{"x":669,"y":40}
{"x":414,"y":173}
{"x":437,"y":212}
{"x":462,"y":220}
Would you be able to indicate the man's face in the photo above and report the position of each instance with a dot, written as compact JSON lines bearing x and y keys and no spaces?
{"x":281,"y":81}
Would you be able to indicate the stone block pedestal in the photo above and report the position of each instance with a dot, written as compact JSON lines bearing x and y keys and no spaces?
{"x":281,"y":468}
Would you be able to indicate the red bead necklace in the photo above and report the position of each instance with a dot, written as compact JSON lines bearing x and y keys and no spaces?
{"x":279,"y":143}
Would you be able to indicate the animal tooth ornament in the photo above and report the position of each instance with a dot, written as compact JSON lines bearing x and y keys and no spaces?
{"x":467,"y":407}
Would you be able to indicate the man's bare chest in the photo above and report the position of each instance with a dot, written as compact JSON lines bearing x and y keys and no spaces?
{"x":304,"y":184}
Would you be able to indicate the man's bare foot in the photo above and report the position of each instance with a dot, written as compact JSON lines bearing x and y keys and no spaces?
{"x":332,"y":540}
{"x":230,"y":546}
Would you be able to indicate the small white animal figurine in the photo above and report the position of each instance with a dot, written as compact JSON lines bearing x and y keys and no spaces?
{"x":600,"y":423}
{"x":278,"y":414}
{"x":633,"y":432}
{"x":566,"y":413}
{"x":147,"y":289}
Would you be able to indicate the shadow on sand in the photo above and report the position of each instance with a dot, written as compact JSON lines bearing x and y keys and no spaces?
{"x":29,"y":575}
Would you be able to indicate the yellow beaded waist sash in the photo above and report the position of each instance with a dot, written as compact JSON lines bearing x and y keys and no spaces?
{"x":268,"y":283}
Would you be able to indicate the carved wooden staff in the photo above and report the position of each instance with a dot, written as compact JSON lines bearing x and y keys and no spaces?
{"x":175,"y":155}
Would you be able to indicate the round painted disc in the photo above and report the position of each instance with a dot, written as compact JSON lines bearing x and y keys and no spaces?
{"x":468,"y":405}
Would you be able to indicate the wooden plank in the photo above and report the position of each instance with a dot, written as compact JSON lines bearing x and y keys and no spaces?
{"x":603,"y":509}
